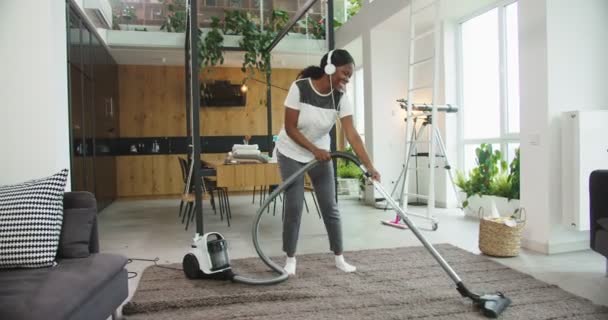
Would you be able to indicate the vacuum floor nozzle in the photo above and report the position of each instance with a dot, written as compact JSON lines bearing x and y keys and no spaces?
{"x":492,"y":305}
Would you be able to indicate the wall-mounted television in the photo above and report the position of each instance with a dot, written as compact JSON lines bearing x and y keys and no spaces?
{"x":222,"y":94}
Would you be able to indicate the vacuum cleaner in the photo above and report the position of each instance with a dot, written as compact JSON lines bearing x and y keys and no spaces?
{"x":208,"y":257}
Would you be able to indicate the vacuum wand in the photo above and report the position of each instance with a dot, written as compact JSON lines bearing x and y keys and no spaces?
{"x":491,"y":305}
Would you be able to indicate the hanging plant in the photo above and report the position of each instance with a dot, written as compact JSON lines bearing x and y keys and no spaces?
{"x":210,"y":47}
{"x":317,"y":27}
{"x":255,"y":41}
{"x":209,"y":52}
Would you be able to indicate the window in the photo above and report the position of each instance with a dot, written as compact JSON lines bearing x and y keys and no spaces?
{"x":489,"y":92}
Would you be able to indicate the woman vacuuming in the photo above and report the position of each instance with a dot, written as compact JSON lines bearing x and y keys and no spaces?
{"x":313,"y":104}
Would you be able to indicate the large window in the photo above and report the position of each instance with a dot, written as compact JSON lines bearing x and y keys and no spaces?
{"x":490,"y":83}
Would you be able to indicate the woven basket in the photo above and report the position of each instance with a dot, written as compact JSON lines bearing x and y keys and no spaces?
{"x":499,"y":240}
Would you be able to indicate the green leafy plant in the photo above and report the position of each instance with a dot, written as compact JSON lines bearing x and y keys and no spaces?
{"x":255,"y":39}
{"x":489,"y":164}
{"x":492,"y":176}
{"x":175,"y":20}
{"x":514,"y":176}
{"x":347,"y":169}
{"x":210,"y":47}
{"x":317,"y":27}
{"x":353,"y":7}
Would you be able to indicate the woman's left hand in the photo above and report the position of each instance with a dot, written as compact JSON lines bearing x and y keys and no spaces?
{"x":374,"y":173}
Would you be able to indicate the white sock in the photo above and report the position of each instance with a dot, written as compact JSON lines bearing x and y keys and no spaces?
{"x":290,"y":265}
{"x":342,"y":265}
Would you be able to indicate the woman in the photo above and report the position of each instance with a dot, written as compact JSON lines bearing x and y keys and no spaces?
{"x":313,"y":104}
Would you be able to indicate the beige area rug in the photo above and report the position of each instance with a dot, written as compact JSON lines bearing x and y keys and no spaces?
{"x":402,"y":283}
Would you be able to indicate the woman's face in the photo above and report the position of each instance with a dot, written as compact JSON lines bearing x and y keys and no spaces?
{"x":342,"y":76}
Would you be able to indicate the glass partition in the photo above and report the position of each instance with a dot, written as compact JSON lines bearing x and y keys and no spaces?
{"x":169,"y":15}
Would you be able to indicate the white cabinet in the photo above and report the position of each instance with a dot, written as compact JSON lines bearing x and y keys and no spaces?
{"x":584,"y":149}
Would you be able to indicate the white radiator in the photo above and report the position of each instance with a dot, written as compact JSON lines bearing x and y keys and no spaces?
{"x":584,"y":149}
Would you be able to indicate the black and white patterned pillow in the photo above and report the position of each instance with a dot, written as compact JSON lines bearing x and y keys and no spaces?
{"x":31,"y":214}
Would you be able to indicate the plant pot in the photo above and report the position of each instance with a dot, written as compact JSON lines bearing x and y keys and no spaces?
{"x":348,"y":187}
{"x":504,"y":206}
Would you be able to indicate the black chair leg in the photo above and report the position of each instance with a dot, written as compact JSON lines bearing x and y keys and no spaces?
{"x":314,"y":199}
{"x":253,"y":200}
{"x":269,"y":191}
{"x":220,"y":196}
{"x":228,"y":211}
{"x":212,"y":200}
{"x":306,"y":203}
{"x":186,"y":212}
{"x":262,"y":194}
{"x":190,"y":214}
{"x":181,"y":207}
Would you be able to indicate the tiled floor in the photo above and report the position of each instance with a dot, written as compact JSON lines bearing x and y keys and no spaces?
{"x":150,"y":228}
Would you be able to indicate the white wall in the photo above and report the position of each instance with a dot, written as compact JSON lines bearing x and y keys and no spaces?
{"x":34,"y":131}
{"x":563,"y":50}
{"x":389,"y":80}
{"x":378,"y":36}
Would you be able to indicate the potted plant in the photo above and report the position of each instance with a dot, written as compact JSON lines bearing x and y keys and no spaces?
{"x":175,"y":20}
{"x":492,"y":185}
{"x":350,"y":177}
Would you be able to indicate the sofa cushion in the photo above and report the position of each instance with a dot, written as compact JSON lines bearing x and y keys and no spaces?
{"x":54,"y":293}
{"x":603,"y":222}
{"x":600,"y":243}
{"x":30,"y":222}
{"x":76,"y":232}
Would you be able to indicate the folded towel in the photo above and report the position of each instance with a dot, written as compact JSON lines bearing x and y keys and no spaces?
{"x":260,"y":158}
{"x":244,"y":147}
{"x":243,"y":152}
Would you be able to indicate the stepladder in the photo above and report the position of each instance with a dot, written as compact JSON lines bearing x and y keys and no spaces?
{"x":422,"y":109}
{"x":422,"y":129}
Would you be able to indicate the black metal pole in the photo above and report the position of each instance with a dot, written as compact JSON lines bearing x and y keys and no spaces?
{"x":331,"y":45}
{"x":331,"y":40}
{"x":195,"y":99}
{"x":187,"y":74}
{"x":269,"y":110}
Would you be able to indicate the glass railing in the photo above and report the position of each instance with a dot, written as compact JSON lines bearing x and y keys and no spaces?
{"x":169,"y":15}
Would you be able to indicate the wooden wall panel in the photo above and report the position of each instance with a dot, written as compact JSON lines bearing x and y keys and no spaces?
{"x":148,"y":175}
{"x":152,"y":104}
{"x":157,"y":175}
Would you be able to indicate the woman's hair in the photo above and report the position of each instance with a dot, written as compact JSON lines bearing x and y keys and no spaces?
{"x":339,"y":57}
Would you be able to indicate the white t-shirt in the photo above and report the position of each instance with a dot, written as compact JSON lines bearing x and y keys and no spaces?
{"x":317,"y":116}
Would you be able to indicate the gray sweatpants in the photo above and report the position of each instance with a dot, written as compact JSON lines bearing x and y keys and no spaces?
{"x":322,"y":177}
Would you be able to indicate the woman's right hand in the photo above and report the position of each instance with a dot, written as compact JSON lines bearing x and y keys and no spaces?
{"x":321,"y":155}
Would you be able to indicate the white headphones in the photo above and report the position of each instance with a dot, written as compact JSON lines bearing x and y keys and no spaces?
{"x":330,"y":68}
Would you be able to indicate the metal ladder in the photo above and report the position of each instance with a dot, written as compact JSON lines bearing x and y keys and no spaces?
{"x":425,"y":28}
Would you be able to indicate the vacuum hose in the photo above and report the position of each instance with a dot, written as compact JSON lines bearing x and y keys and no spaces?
{"x":256,"y":224}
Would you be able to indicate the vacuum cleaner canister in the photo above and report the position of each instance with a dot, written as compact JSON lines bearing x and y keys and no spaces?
{"x":208,"y":258}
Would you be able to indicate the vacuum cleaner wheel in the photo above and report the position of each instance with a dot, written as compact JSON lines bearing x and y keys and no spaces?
{"x":191,"y":267}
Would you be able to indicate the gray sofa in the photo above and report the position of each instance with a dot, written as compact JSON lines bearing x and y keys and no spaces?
{"x":598,"y":205}
{"x":79,"y":288}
